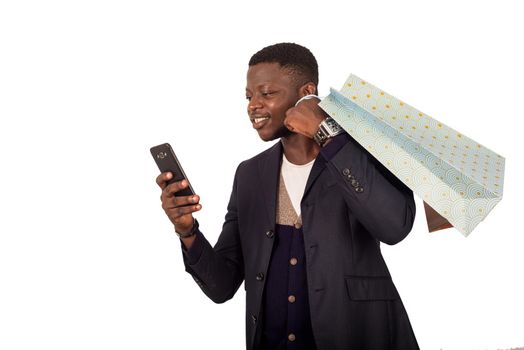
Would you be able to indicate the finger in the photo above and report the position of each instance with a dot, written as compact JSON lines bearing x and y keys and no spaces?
{"x":291,"y":110}
{"x":176,"y":213}
{"x":179,"y":201}
{"x":170,"y":190}
{"x":289,"y":120}
{"x":186,"y":200}
{"x":291,"y":123}
{"x":163,"y":178}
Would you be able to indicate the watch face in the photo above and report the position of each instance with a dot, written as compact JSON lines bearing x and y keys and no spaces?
{"x":332,"y":126}
{"x":328,"y":128}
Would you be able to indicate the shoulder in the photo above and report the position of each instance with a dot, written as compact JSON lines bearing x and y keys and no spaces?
{"x":254,"y":163}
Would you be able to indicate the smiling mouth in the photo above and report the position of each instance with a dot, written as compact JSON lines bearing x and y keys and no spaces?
{"x":259,"y":122}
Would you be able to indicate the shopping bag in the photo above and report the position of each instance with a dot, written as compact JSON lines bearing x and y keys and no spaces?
{"x":458,"y":178}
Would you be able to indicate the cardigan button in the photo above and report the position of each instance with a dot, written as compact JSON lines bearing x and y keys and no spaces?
{"x":260,"y":276}
{"x":346,"y":172}
{"x":254,"y":319}
{"x":270,"y":234}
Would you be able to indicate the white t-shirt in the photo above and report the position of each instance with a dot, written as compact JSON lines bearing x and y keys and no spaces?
{"x":295,"y":178}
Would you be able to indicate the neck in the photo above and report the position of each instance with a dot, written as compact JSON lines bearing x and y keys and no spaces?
{"x":299,"y":149}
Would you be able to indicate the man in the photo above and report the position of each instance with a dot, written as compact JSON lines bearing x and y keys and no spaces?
{"x":303,"y":224}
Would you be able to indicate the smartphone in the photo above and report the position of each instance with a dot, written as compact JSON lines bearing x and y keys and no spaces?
{"x":166,"y":160}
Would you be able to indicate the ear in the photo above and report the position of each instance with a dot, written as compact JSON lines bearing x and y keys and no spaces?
{"x":307,"y":89}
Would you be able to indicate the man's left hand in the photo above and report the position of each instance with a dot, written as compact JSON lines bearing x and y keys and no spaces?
{"x":305,"y":118}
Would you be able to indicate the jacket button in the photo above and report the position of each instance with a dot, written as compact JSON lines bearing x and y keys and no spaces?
{"x":346,"y":172}
{"x":359,"y":190}
{"x":260,"y":276}
{"x":354,"y":183}
{"x":254,"y":319}
{"x":270,"y":234}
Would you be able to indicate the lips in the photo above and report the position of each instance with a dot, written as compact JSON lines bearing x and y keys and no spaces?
{"x":259,"y":121}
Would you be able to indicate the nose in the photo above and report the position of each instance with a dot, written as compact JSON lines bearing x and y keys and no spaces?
{"x":253,"y":105}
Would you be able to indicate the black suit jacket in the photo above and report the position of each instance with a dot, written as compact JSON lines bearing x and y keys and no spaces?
{"x":351,"y":202}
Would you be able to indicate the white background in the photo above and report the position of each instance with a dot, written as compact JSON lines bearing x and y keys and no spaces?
{"x":87,"y":258}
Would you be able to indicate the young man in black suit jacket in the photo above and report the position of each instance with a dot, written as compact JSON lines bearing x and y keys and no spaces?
{"x":310,"y":258}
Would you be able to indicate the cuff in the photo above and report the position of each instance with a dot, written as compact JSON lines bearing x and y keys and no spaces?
{"x":334,"y":146}
{"x":195,"y":251}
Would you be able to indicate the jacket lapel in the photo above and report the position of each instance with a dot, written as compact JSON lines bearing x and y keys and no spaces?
{"x":318,"y":167}
{"x":269,"y":170}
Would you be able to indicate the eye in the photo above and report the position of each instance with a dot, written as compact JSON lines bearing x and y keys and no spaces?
{"x":248,"y":98}
{"x":268,"y":93}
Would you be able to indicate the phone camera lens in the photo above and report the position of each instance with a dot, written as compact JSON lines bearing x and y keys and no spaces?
{"x":161,"y":155}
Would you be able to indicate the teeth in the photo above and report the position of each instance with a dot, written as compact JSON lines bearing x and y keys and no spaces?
{"x":258,"y":120}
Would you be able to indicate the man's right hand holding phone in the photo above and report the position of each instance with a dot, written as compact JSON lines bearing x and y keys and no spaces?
{"x":179,"y":209}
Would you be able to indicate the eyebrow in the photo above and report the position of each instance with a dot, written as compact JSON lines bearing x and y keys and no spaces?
{"x":263,"y":84}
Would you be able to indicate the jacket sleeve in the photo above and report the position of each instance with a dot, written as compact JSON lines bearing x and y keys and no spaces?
{"x":218,"y":271}
{"x":378,"y":199}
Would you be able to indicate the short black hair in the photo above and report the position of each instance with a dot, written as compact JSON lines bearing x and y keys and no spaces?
{"x":298,"y":59}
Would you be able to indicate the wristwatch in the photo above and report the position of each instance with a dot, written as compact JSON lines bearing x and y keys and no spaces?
{"x":329,"y":128}
{"x":190,"y":233}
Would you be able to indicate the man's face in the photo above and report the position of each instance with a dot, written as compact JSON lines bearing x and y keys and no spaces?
{"x":271,"y":92}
